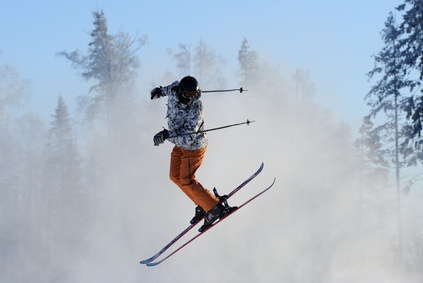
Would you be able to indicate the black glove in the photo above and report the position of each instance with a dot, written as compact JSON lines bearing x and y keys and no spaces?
{"x":160,"y":137}
{"x":156,"y":93}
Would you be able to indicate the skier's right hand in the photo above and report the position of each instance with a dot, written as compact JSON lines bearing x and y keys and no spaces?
{"x":160,"y":137}
{"x":156,"y":93}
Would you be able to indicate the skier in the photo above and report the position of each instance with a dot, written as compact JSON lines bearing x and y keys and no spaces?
{"x":185,"y":114}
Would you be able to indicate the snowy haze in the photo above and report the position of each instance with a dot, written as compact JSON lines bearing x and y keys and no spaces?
{"x":319,"y":223}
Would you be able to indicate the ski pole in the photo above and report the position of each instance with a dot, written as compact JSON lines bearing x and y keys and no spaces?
{"x":225,"y":90}
{"x":214,"y":129}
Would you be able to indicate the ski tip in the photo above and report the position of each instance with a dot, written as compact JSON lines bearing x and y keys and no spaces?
{"x":149,"y":259}
{"x":150,"y":264}
{"x":146,"y":261}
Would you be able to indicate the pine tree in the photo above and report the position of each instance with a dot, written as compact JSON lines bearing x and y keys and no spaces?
{"x":370,"y":145}
{"x":16,"y":199}
{"x":29,"y":211}
{"x":411,"y":45}
{"x":63,"y":164}
{"x":385,"y":97}
{"x":249,"y":67}
{"x":412,"y":28}
{"x":183,"y":59}
{"x":63,"y":169}
{"x":208,"y":66}
{"x":111,"y":63}
{"x":13,"y":90}
{"x":373,"y":166}
{"x":304,"y":88}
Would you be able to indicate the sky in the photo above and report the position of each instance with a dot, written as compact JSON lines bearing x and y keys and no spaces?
{"x":333,"y":40}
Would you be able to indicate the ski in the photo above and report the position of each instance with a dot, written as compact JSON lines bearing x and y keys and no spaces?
{"x":220,"y":220}
{"x":172,"y":242}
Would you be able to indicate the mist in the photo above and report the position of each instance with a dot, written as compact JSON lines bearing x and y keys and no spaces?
{"x":323,"y":221}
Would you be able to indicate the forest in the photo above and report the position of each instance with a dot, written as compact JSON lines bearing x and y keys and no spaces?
{"x":79,"y":189}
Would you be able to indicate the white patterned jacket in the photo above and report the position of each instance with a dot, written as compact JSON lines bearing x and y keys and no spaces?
{"x":184,"y":118}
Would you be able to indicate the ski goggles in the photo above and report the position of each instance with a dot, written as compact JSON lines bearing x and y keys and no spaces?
{"x":190,"y":94}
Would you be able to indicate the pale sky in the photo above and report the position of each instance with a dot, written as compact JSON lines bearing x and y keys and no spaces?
{"x":332,"y":39}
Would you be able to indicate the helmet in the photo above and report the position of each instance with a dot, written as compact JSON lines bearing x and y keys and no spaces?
{"x":188,"y":89}
{"x":188,"y":84}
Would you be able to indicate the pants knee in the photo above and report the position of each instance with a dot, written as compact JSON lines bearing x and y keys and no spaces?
{"x":174,"y":179}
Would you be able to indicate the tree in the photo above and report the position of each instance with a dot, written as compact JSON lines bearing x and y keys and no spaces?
{"x":64,"y":191}
{"x":373,"y":166}
{"x":412,"y":29}
{"x":13,"y":90}
{"x":112,"y":64}
{"x":204,"y":64}
{"x":411,"y":44}
{"x":14,"y":195}
{"x":29,"y":211}
{"x":249,"y":67}
{"x":183,"y":59}
{"x":370,"y":144}
{"x":63,"y":164}
{"x":13,"y":93}
{"x":207,"y":66}
{"x":388,"y":64}
{"x":304,"y":87}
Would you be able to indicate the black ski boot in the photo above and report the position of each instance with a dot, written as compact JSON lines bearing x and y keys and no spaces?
{"x":199,"y":214}
{"x":217,"y":212}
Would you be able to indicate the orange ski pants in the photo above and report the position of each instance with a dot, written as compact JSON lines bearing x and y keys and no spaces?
{"x":183,"y":165}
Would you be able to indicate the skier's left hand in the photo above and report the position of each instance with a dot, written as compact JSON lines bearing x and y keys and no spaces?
{"x":160,"y":137}
{"x":156,"y":93}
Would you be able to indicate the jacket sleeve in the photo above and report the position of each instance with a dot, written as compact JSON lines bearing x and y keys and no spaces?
{"x":170,"y":89}
{"x":160,"y":91}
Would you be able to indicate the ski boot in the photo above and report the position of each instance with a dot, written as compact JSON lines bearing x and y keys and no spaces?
{"x":217,"y":212}
{"x":221,"y":210}
{"x":199,"y":214}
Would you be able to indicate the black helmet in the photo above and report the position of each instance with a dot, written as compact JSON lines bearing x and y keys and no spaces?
{"x":188,"y":84}
{"x":188,"y":90}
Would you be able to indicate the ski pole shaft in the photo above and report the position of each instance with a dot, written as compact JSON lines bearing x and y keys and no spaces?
{"x":225,"y":90}
{"x":214,"y":129}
